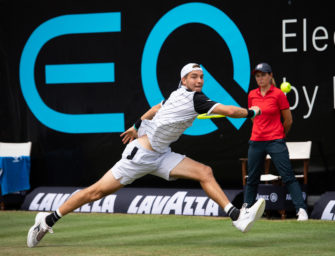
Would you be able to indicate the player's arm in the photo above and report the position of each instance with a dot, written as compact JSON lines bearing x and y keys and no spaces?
{"x":236,"y":112}
{"x":131,"y":133}
{"x":151,"y":112}
{"x":287,"y":119}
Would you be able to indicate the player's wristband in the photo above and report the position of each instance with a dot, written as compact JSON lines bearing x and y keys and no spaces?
{"x":137,"y":124}
{"x":251,"y":113}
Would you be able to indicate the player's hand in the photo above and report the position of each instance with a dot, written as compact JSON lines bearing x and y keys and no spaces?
{"x":129,"y":135}
{"x":257,"y":109}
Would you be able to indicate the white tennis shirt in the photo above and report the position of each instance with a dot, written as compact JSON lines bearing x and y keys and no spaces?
{"x":174,"y":117}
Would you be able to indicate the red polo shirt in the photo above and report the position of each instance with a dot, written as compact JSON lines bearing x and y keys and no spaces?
{"x":268,"y":125}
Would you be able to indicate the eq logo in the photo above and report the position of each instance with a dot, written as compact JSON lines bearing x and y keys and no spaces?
{"x":65,"y":25}
{"x":200,"y":13}
{"x":217,"y":20}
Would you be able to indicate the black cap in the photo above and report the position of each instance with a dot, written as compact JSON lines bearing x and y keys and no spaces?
{"x":262,"y":67}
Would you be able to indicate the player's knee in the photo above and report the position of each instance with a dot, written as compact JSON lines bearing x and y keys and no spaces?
{"x":206,"y":173}
{"x":94,"y":193}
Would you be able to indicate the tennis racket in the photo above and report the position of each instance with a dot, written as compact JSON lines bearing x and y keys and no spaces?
{"x":209,"y":116}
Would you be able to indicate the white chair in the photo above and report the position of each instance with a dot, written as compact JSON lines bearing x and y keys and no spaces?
{"x":15,"y":149}
{"x":297,"y":151}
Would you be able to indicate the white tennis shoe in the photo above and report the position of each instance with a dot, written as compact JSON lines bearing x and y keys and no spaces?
{"x":248,"y":216}
{"x":302,"y":215}
{"x":38,"y":230}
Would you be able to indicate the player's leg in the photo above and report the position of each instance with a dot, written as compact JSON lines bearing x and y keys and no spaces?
{"x":190,"y":169}
{"x":242,"y":220}
{"x":44,"y":221}
{"x":123,"y":172}
{"x":105,"y":186}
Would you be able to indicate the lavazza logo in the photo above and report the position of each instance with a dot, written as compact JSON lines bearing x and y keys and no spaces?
{"x":179,"y":203}
{"x":51,"y":202}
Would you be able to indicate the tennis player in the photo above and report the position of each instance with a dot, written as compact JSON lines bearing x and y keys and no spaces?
{"x":149,"y":152}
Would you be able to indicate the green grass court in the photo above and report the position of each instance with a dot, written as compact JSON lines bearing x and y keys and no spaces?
{"x":122,"y":234}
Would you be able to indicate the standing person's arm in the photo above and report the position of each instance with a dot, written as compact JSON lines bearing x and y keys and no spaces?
{"x":287,"y":120}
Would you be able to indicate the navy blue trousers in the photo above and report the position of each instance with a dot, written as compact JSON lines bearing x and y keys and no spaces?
{"x":278,"y":151}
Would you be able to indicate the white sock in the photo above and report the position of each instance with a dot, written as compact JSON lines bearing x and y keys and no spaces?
{"x":227,"y":207}
{"x":58,"y":212}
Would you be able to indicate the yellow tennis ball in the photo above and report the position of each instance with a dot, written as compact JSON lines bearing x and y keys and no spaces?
{"x":285,"y":87}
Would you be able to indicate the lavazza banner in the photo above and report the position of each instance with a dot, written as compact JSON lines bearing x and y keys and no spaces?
{"x":155,"y":200}
{"x":132,"y":201}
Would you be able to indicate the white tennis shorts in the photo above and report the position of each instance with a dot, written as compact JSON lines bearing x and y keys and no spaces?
{"x":137,"y":162}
